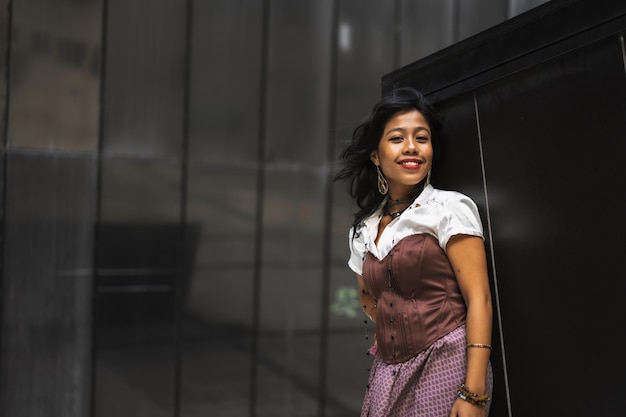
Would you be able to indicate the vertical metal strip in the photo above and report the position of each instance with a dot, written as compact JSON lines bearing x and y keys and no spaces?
{"x":182,"y":255}
{"x":328,"y":210}
{"x":260,"y":197}
{"x":5,"y":160}
{"x":456,"y":21}
{"x":98,"y":200}
{"x":621,"y":39}
{"x":7,"y":80}
{"x":397,"y":33}
{"x":493,"y":260}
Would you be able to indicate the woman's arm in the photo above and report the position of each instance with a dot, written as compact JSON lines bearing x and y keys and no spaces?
{"x":467,"y":257}
{"x":368,"y":304}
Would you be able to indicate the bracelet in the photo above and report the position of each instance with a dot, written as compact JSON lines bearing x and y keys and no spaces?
{"x":471,"y":397}
{"x":478,"y":345}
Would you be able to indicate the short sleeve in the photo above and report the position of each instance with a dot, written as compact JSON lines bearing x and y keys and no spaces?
{"x":357,"y":251}
{"x":460,"y":217}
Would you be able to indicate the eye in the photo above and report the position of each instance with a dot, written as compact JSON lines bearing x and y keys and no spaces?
{"x":422,"y":139}
{"x":396,"y":139}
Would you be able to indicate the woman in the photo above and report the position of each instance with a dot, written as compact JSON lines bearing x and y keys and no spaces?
{"x":419,"y":256}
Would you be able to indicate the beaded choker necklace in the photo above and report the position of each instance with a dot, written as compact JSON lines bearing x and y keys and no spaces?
{"x":391,"y":203}
{"x":395,"y":214}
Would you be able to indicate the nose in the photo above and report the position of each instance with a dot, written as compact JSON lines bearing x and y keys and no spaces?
{"x":410,"y":146}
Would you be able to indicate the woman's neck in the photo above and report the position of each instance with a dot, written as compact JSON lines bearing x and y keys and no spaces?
{"x":404,"y":196}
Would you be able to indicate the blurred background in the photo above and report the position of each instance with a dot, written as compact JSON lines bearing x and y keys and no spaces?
{"x":172,"y":242}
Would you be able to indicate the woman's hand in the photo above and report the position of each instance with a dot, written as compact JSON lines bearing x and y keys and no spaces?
{"x":462,"y":408}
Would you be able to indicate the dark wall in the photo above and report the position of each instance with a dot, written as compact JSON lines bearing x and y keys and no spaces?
{"x":536,"y":136}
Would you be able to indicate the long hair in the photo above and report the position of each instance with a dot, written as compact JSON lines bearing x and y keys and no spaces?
{"x":358,"y":170}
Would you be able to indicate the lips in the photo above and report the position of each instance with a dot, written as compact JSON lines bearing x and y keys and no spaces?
{"x":411,"y":163}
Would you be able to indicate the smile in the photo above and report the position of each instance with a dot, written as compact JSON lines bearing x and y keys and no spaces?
{"x":411,"y":164}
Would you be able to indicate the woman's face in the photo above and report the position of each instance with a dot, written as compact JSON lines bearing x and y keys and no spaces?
{"x":405,"y":152}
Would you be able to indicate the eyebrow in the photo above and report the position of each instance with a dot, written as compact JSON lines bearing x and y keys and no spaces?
{"x":402,"y":129}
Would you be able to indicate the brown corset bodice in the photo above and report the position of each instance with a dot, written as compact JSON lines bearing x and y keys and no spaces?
{"x":417,"y":295}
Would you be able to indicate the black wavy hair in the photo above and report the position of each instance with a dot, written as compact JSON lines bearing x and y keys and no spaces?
{"x":359,"y":171}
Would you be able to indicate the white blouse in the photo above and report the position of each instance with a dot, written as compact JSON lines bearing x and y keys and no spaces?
{"x":439,"y":213}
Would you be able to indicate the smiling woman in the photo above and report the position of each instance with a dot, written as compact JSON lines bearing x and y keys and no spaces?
{"x":420,"y":262}
{"x":404,"y":154}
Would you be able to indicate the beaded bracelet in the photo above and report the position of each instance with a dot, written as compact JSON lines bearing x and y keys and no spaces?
{"x":466,"y":395}
{"x":478,"y":345}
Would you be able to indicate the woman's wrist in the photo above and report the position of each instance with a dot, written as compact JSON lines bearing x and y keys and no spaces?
{"x":471,"y":397}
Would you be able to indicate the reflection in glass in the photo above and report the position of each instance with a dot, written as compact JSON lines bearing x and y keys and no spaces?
{"x":54,"y":100}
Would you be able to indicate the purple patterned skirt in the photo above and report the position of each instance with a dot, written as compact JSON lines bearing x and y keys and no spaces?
{"x":423,"y":386}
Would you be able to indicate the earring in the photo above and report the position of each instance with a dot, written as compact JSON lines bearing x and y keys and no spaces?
{"x":428,"y":177}
{"x":383,"y":187}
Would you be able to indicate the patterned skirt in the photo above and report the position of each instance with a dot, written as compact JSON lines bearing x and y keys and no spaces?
{"x":423,"y":386}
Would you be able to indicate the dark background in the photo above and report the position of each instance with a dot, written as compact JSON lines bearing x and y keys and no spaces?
{"x":536,"y":137}
{"x":172,"y":244}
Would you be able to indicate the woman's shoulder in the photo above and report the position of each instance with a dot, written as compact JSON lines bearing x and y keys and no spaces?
{"x":449,"y":197}
{"x":457,"y":214}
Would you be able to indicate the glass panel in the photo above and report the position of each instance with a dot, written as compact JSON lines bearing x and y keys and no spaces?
{"x":289,"y":356}
{"x":290,"y":295}
{"x":427,"y":27}
{"x":477,"y":15}
{"x":135,"y":351}
{"x":225,"y":82}
{"x":55,"y":80}
{"x":47,"y":281}
{"x":365,"y":53}
{"x":137,"y":284}
{"x":140,"y":191}
{"x":145,"y":71}
{"x":221,"y":208}
{"x":298,"y":85}
{"x":218,"y":295}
